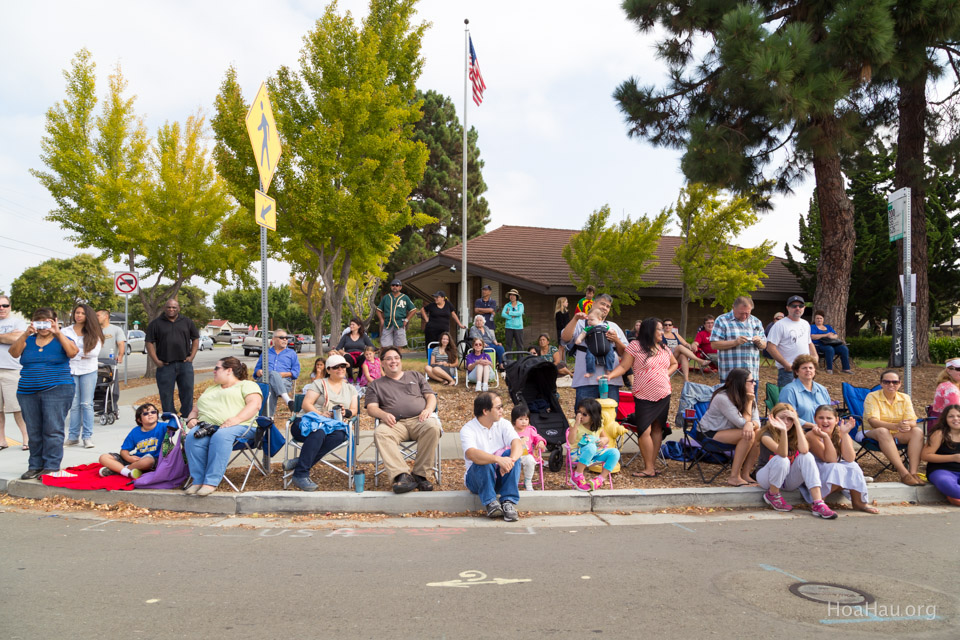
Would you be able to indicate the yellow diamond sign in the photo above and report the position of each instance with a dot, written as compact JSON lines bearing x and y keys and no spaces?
{"x":266,"y":210}
{"x":262,"y":129}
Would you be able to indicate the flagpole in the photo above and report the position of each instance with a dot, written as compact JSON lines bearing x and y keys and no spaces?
{"x":465,"y":316}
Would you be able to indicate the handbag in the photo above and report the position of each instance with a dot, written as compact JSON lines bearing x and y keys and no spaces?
{"x":830,"y":342}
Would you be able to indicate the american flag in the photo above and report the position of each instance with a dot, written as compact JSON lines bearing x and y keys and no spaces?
{"x":475,"y":78}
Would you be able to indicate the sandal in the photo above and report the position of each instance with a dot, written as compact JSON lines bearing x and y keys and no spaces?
{"x":25,"y":447}
{"x":640,"y":474}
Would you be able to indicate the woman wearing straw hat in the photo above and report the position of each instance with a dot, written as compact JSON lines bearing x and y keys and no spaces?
{"x":513,"y":314}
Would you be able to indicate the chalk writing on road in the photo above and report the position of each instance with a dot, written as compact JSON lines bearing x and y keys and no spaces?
{"x":472,"y":578}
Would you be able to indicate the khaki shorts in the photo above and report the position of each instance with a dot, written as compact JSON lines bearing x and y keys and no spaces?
{"x":9,"y":379}
{"x":394,"y":337}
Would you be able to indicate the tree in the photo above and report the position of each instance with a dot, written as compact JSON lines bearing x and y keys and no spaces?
{"x":193,"y":305}
{"x":873,"y":285}
{"x":156,"y":207}
{"x":438,"y":194}
{"x":63,"y":284}
{"x":615,"y":259}
{"x":709,"y":266}
{"x":778,"y":86}
{"x":349,"y":160}
{"x":244,"y":305}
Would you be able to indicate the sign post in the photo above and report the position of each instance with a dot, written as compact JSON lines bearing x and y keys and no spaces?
{"x":125,"y":283}
{"x":898,"y":217}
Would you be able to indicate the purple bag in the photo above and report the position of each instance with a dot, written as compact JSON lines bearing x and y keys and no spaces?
{"x":171,"y":471}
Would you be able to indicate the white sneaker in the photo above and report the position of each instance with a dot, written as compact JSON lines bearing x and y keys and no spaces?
{"x":88,"y":443}
{"x":486,"y":387}
{"x":71,"y":443}
{"x":528,"y":486}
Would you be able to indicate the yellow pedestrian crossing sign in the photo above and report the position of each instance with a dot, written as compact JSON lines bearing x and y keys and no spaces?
{"x":266,"y":210}
{"x":262,"y":129}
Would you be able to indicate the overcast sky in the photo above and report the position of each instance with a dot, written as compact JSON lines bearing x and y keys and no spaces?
{"x":553,"y":141}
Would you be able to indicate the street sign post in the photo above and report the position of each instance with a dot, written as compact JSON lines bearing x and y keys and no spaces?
{"x":898,"y":218}
{"x":265,"y":210}
{"x":125,"y":283}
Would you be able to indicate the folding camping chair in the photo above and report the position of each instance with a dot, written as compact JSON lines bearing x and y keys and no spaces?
{"x":408,"y":449}
{"x":854,"y":398}
{"x":569,"y":458}
{"x":495,"y":379}
{"x":266,"y":438}
{"x":344,"y":457}
{"x":701,"y":448}
{"x":772,"y":398}
{"x":456,"y":370}
{"x":705,"y":370}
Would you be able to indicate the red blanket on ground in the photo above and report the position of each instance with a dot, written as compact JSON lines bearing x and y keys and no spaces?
{"x":88,"y":478}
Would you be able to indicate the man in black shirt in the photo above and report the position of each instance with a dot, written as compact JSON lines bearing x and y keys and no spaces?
{"x":172,"y":341}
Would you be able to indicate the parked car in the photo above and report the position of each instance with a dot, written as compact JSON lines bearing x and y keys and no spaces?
{"x":226,"y":337}
{"x":136,"y":342}
{"x":206,"y":342}
{"x":304,"y":338}
{"x":237,"y":339}
{"x":296,"y":343}
{"x":253,"y":342}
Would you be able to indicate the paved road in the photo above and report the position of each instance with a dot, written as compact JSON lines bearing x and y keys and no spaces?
{"x":562,"y":577}
{"x":137,"y":362}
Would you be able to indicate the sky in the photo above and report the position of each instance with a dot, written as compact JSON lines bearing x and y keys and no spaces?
{"x":554,"y":143}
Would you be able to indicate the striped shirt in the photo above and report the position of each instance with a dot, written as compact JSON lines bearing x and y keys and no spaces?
{"x":745,"y":356}
{"x":650,"y":379}
{"x":43,"y":367}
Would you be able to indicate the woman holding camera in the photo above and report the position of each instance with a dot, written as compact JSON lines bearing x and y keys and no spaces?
{"x":45,"y":390}
{"x":321,"y":397}
{"x":232,"y":404}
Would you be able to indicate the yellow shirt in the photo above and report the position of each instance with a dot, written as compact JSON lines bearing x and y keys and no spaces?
{"x":877,"y":406}
{"x":216,"y":404}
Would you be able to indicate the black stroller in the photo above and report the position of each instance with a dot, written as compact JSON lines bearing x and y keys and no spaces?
{"x":533,"y":381}
{"x":104,"y":399}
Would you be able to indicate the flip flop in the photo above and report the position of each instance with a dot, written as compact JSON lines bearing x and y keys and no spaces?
{"x":645,"y":475}
{"x":743,"y":484}
{"x":25,"y":447}
{"x":6,"y":446}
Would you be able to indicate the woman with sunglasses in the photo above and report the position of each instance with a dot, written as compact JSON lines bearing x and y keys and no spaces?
{"x":681,"y":349}
{"x":320,"y":397}
{"x":733,"y":418}
{"x":948,"y":387}
{"x":45,"y":390}
{"x":232,"y":404}
{"x":889,"y":419}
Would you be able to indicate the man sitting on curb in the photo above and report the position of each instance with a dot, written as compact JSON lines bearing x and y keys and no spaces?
{"x":485,"y":440}
{"x":404,"y":403}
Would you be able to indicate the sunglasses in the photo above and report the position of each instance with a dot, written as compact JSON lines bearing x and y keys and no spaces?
{"x":218,"y":368}
{"x":889,"y":382}
{"x":337,"y":366}
{"x":4,"y":306}
{"x":150,"y":413}
{"x":948,"y":368}
{"x":797,"y":306}
{"x":282,"y":338}
{"x":667,"y":324}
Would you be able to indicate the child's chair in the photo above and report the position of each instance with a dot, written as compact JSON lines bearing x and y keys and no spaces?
{"x":569,"y":457}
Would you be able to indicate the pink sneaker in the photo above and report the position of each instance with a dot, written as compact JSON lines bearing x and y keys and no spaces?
{"x":580,"y":482}
{"x":776,"y":501}
{"x":597,"y":483}
{"x":821,"y":510}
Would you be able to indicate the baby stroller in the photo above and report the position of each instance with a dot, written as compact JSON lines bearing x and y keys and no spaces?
{"x":104,"y":400}
{"x":533,"y":381}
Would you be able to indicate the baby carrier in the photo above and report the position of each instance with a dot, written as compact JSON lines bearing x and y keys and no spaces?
{"x":533,"y":381}
{"x":596,"y":341}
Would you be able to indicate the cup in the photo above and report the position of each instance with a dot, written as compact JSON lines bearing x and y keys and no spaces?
{"x":338,"y":413}
{"x":359,"y":479}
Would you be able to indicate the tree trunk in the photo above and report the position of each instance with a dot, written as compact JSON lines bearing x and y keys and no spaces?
{"x":838,"y":235}
{"x":684,"y":303}
{"x":910,"y":172}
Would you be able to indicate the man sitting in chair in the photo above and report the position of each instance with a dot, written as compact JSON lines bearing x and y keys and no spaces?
{"x":889,"y":418}
{"x":284,"y":371}
{"x":404,"y":403}
{"x":491,"y":449}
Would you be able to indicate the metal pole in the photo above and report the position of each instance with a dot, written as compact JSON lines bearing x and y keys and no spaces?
{"x":907,"y":297}
{"x":264,"y":318}
{"x":464,"y":311}
{"x":126,"y":330}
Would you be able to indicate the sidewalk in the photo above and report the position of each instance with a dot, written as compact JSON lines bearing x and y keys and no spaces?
{"x":107,"y":438}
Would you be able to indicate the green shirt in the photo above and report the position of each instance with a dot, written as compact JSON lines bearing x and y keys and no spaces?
{"x":395,"y":310}
{"x":217,"y":403}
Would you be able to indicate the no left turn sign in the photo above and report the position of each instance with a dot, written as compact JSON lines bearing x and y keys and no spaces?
{"x":125,"y":283}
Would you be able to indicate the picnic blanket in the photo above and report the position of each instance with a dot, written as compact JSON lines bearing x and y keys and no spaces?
{"x":87,"y":477}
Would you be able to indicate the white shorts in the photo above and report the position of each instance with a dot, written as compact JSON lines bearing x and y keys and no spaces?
{"x":9,"y":380}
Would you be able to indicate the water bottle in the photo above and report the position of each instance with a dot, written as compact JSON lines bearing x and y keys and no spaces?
{"x":359,"y":479}
{"x":603,"y":383}
{"x":338,"y":413}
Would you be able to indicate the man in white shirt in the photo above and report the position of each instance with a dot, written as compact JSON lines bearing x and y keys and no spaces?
{"x":491,"y":448}
{"x":789,"y":338}
{"x":10,"y":329}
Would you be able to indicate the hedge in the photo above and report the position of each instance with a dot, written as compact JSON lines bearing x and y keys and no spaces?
{"x":878,"y":348}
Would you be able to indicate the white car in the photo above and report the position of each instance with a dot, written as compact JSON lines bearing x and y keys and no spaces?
{"x":135,"y":341}
{"x":206,"y":342}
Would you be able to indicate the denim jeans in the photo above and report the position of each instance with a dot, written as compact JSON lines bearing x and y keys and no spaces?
{"x":46,"y":415}
{"x":278,"y":386}
{"x":784,"y":377}
{"x":316,"y":445}
{"x":593,"y":391}
{"x":208,"y":457}
{"x":181,"y":374}
{"x":590,"y":361}
{"x":81,"y":411}
{"x":840,"y":350}
{"x":486,"y":481}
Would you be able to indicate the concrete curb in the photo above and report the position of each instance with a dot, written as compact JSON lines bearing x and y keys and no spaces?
{"x":603,"y":501}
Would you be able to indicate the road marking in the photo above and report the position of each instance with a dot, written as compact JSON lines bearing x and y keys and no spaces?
{"x":93,"y":527}
{"x":767,"y":567}
{"x":528,"y":532}
{"x":153,"y":600}
{"x":676,"y":524}
{"x":473,"y":577}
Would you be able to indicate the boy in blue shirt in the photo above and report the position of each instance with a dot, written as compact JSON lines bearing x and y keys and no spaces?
{"x":140,"y":449}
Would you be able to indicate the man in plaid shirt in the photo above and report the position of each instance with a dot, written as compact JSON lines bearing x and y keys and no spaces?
{"x":739,"y":338}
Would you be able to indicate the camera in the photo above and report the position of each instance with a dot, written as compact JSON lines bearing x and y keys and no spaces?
{"x":205,"y":429}
{"x":39,"y":325}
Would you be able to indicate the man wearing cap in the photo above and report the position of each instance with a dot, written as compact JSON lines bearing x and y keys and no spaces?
{"x":284,"y":370}
{"x":486,"y":306}
{"x":513,"y":314}
{"x":739,"y":338}
{"x":394,"y":311}
{"x":404,"y":404}
{"x":789,"y":338}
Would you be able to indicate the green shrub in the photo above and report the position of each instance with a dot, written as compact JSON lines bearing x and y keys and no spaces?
{"x":944,"y":348}
{"x":874,"y":348}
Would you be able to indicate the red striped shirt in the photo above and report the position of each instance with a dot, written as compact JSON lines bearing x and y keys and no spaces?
{"x":650,"y":378}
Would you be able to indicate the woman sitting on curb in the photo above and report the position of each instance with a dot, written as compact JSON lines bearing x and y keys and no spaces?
{"x":831,"y":444}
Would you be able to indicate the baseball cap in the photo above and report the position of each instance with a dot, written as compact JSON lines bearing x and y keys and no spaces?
{"x":334,"y":360}
{"x":795,"y":299}
{"x":396,"y":282}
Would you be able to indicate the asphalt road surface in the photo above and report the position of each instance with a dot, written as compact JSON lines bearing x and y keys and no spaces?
{"x":137,"y":362}
{"x":560,"y":577}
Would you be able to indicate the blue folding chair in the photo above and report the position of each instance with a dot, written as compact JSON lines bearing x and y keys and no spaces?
{"x":343,"y":461}
{"x":703,"y":450}
{"x":265,"y":438}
